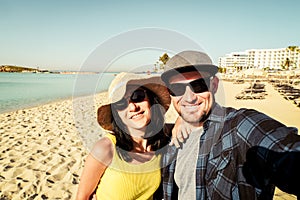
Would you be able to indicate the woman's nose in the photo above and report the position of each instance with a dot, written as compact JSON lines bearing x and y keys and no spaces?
{"x":132,"y":106}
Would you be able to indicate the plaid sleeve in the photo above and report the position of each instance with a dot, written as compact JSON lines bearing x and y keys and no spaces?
{"x":258,"y":129}
{"x":272,"y":148}
{"x":264,"y":166}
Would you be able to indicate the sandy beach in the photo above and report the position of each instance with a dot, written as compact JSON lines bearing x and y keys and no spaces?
{"x":42,"y":152}
{"x":43,"y":148}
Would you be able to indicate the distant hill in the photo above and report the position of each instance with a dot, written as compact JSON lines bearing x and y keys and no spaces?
{"x":10,"y":68}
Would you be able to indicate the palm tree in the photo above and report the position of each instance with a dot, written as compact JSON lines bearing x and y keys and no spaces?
{"x":292,"y":48}
{"x":162,"y":61}
{"x":155,"y":67}
{"x":289,"y":62}
{"x":164,"y":58}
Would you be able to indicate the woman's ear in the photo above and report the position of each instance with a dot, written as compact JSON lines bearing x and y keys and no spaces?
{"x":214,"y":84}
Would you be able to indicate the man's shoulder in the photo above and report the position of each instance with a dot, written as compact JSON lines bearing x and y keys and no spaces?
{"x":245,"y":116}
{"x":242,"y":112}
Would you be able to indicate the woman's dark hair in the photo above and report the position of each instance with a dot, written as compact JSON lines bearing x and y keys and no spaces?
{"x":155,"y":134}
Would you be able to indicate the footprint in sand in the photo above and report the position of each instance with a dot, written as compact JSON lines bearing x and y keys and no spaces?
{"x":7,"y":167}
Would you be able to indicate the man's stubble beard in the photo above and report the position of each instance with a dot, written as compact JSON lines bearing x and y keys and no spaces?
{"x":191,"y":120}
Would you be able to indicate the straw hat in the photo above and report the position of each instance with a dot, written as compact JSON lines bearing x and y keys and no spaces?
{"x":187,"y":61}
{"x":117,"y":90}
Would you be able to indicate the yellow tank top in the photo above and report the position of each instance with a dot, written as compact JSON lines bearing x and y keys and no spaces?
{"x":125,"y":181}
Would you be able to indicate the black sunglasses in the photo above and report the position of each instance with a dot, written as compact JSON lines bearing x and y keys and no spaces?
{"x":197,"y":86}
{"x":137,"y":96}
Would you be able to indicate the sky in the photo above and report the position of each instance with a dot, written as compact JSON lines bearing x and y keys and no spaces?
{"x":65,"y":35}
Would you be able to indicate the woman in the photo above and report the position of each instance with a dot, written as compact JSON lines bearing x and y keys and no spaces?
{"x":125,"y":163}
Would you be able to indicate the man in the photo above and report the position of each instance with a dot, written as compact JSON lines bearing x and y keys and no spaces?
{"x":229,"y":153}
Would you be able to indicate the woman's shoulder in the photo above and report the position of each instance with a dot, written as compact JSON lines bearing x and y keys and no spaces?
{"x":103,"y":150}
{"x":111,"y":137}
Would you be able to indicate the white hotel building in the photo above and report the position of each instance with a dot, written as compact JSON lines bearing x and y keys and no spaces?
{"x":262,"y":58}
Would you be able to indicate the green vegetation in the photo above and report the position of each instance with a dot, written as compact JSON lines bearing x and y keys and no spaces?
{"x":10,"y":68}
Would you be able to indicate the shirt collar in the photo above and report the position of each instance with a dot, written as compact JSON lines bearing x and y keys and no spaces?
{"x":217,"y":114}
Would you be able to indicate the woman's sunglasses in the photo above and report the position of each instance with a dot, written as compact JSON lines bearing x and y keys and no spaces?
{"x":137,"y":96}
{"x":197,"y":86}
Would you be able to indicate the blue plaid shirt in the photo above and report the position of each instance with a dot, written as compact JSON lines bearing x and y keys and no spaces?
{"x":227,"y":135}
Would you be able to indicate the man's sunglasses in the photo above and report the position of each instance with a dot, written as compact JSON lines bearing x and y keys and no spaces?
{"x":137,"y":96}
{"x":197,"y":86}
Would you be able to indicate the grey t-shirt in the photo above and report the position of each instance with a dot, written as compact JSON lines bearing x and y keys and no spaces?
{"x":185,"y":171}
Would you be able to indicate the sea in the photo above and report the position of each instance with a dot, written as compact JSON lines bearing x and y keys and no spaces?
{"x":24,"y":90}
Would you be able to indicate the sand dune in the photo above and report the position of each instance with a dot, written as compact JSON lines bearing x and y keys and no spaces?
{"x":43,"y":148}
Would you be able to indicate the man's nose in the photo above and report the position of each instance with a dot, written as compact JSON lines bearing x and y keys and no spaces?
{"x":189,"y":95}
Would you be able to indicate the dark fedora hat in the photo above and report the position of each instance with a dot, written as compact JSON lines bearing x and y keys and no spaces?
{"x":187,"y":61}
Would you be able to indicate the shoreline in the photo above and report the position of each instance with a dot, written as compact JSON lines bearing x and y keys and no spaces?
{"x":43,"y":148}
{"x":22,"y":90}
{"x":52,"y":101}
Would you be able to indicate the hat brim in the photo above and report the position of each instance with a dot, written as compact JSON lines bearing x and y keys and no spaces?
{"x":212,"y":69}
{"x":104,"y":117}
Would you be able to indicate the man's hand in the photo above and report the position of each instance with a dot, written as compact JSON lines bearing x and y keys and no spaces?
{"x":264,"y":167}
{"x":180,"y":132}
